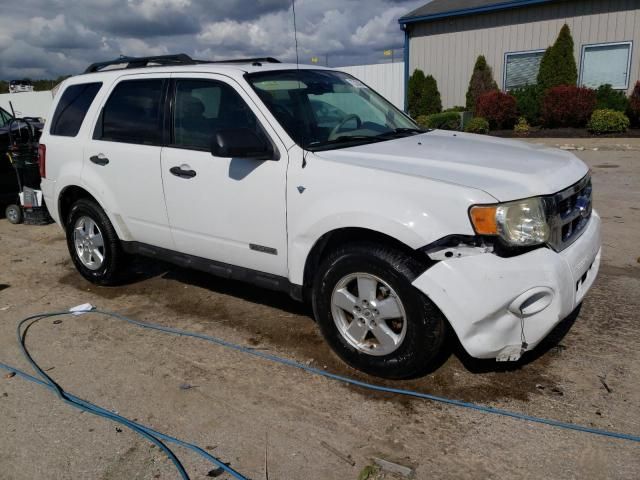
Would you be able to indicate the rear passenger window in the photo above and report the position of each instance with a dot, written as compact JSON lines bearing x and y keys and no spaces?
{"x":133,"y":113}
{"x":72,"y":108}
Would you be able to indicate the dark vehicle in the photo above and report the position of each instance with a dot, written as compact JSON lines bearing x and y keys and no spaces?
{"x":18,"y":162}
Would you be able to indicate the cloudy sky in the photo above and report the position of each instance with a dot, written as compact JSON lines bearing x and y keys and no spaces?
{"x":47,"y":38}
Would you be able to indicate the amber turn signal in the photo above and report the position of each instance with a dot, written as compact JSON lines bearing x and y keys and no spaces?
{"x":483,"y":219}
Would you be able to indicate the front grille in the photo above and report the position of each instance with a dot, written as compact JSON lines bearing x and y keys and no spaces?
{"x":569,"y":212}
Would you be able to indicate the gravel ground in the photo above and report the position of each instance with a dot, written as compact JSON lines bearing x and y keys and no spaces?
{"x":261,"y":416}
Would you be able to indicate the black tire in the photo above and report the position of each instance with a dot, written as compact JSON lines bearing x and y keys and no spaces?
{"x":14,"y":214}
{"x":426,"y":325}
{"x":111,"y":271}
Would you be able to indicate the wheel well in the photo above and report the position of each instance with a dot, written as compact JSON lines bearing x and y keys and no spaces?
{"x":68,"y":197}
{"x":336,"y":238}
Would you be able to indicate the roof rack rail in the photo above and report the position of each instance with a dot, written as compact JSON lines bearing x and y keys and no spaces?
{"x":164,"y":60}
{"x":139,"y":62}
{"x":243,"y":60}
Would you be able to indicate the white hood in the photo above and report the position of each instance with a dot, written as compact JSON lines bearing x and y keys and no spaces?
{"x":505,"y":169}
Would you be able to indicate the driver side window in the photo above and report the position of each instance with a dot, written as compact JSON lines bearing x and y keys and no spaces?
{"x":202,"y":107}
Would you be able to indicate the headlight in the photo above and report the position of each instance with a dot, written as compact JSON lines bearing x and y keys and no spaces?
{"x":521,"y":223}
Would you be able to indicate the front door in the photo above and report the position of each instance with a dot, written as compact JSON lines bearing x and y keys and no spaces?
{"x":231,"y":210}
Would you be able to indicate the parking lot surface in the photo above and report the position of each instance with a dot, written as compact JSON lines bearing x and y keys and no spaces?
{"x":261,"y":416}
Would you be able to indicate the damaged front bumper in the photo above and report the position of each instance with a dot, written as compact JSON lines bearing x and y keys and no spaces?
{"x":500,"y":307}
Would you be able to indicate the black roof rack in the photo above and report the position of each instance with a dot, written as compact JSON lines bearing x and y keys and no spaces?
{"x":252,"y":61}
{"x":139,"y":62}
{"x":164,"y":60}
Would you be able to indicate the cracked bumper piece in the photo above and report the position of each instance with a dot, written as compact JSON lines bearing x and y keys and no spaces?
{"x":484,"y":296}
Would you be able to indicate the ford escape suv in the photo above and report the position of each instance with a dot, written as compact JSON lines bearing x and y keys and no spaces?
{"x":304,"y":180}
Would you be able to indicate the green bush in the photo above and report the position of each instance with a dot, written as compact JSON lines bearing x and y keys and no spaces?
{"x":431,"y":96}
{"x":528,"y":102}
{"x":414,"y":93}
{"x":481,"y":82}
{"x":443,"y":121}
{"x":422,"y":120}
{"x":558,"y":65}
{"x":457,"y":108}
{"x":610,"y":99}
{"x":477,"y":125}
{"x":423,"y":97}
{"x":522,"y":128}
{"x":608,"y":121}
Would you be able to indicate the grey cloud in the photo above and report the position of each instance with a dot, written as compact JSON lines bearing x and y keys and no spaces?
{"x":47,"y":38}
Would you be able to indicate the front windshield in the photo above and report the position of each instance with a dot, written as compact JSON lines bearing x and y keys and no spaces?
{"x":325,"y":109}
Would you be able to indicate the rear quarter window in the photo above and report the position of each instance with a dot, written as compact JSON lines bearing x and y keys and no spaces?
{"x":72,"y":108}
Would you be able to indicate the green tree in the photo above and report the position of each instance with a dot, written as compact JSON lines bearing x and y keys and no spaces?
{"x":432,"y":103}
{"x":415,"y":91}
{"x":558,"y":65}
{"x":481,"y":82}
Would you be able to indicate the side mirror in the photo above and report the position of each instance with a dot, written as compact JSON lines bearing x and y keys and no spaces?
{"x":241,"y":143}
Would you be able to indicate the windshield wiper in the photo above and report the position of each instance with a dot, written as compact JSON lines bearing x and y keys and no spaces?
{"x":346,"y":139}
{"x":402,"y":132}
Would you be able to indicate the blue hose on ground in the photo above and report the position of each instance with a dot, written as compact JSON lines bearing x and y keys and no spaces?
{"x":155,"y":437}
{"x":158,"y":437}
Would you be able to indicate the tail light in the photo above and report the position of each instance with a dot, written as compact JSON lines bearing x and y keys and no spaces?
{"x":42,"y":160}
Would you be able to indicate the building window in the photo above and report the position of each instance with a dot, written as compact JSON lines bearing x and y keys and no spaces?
{"x":607,"y":63}
{"x":521,"y":69}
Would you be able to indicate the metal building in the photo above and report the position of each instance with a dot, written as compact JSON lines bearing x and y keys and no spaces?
{"x":444,"y":38}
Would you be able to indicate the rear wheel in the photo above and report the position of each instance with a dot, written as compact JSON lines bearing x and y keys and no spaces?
{"x":371,"y":314}
{"x":14,"y":214}
{"x":93,"y":243}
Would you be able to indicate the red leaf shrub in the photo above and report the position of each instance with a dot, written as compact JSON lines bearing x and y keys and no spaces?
{"x":567,"y":106}
{"x":633,"y":110}
{"x":498,"y":108}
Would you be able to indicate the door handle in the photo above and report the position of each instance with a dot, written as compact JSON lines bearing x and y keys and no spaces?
{"x":99,"y":159}
{"x":182,"y":172}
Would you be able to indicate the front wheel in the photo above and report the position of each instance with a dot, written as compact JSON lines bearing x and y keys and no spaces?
{"x":93,"y":243}
{"x":371,"y":314}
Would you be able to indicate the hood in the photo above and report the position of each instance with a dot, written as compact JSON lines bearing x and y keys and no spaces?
{"x":505,"y":169}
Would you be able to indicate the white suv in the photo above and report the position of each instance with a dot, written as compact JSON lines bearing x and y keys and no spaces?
{"x":304,"y":180}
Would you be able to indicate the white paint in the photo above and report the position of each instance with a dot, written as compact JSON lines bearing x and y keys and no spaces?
{"x":475,"y":292}
{"x":505,"y":169}
{"x":416,"y":190}
{"x":249,"y":205}
{"x":385,"y":78}
{"x":28,"y":104}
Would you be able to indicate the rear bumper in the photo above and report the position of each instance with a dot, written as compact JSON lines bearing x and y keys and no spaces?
{"x":48,"y":192}
{"x":492,"y":303}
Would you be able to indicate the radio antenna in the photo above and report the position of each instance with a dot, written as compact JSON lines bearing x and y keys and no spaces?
{"x":295,"y":31}
{"x":295,"y":37}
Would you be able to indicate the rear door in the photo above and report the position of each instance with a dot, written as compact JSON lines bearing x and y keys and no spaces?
{"x":122,"y":160}
{"x":232,"y":210}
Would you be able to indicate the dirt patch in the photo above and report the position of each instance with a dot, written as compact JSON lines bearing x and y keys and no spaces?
{"x":236,"y":402}
{"x":630,"y":272}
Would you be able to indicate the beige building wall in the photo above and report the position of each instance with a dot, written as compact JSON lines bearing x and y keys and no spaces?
{"x":448,"y":48}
